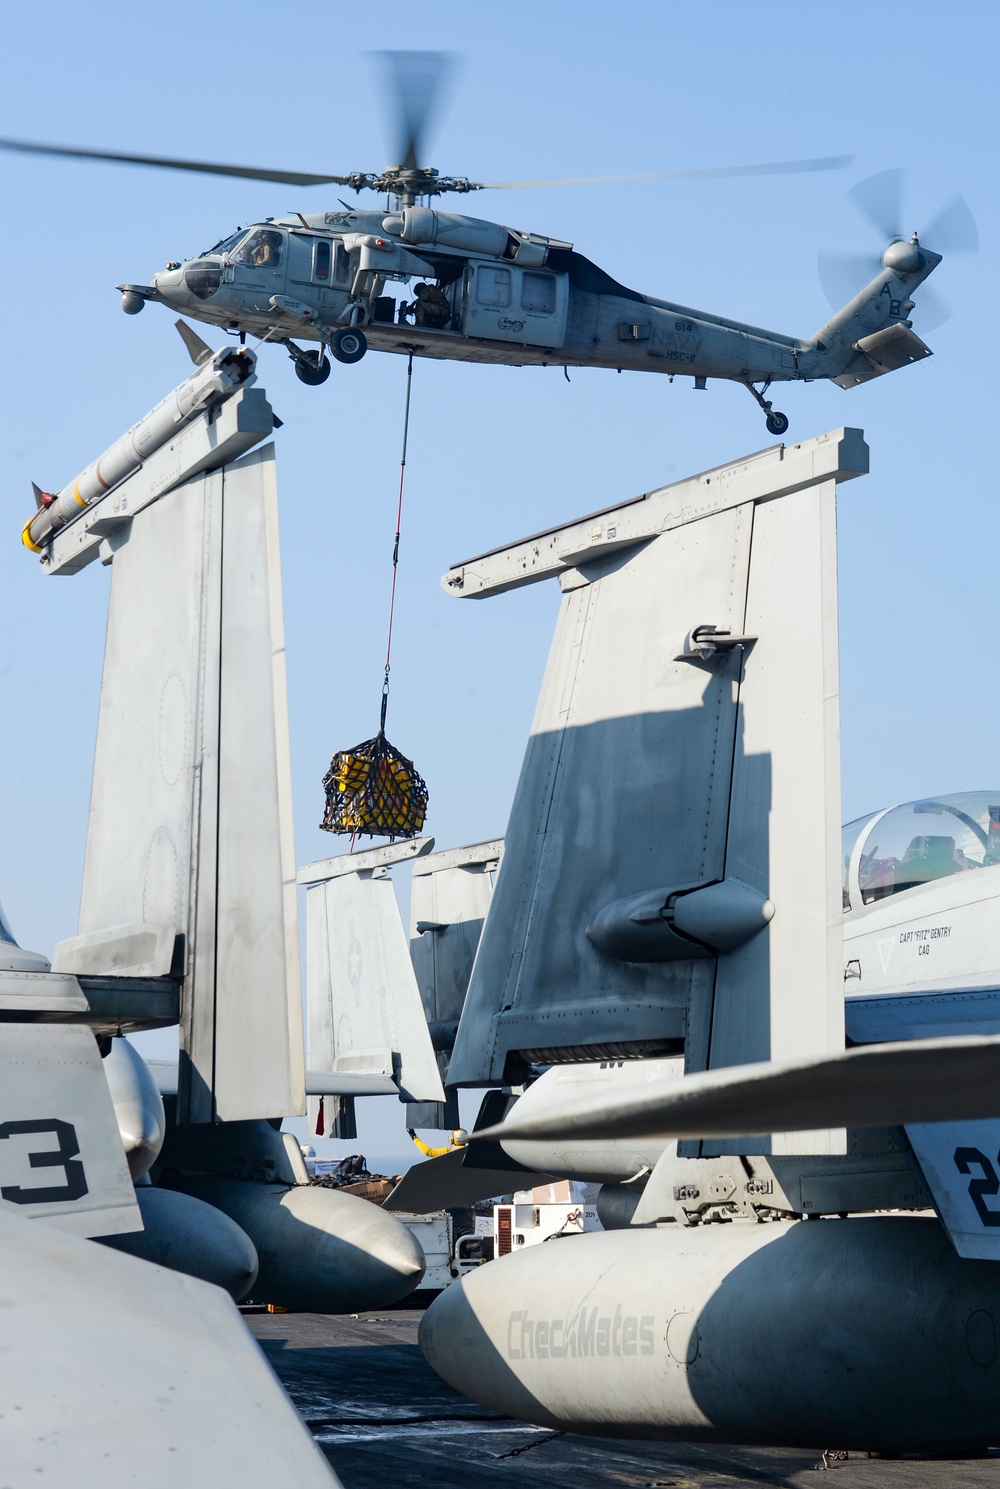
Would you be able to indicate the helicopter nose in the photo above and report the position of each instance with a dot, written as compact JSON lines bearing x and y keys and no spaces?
{"x":170,"y":284}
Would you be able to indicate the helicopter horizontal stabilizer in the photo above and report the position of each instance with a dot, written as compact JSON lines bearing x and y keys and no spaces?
{"x":897,"y":346}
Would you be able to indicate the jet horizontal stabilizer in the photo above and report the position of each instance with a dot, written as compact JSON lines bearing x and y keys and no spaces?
{"x":886,"y":1085}
{"x":455,"y":1179}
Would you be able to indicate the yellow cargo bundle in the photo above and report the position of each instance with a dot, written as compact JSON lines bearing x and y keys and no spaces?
{"x":374,"y":791}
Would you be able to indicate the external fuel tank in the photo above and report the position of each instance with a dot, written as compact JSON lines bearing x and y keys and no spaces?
{"x":866,"y":1333}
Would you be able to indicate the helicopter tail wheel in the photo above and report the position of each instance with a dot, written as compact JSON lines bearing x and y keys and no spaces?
{"x":776,"y":423}
{"x":313,"y":370}
{"x":349,"y":344}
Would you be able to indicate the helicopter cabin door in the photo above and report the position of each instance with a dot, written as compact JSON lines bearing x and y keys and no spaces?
{"x":508,"y":303}
{"x":260,"y":266}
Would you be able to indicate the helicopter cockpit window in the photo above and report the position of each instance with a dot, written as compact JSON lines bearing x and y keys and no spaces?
{"x":228,"y":244}
{"x":341,"y":264}
{"x":493,"y":287}
{"x":262,"y":250}
{"x":538,"y":293}
{"x":321,"y":260}
{"x":928,"y":840}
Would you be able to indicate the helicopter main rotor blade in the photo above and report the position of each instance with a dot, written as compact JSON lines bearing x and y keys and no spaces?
{"x":880,"y":198}
{"x":954,"y":229}
{"x":416,"y":81}
{"x":247,"y":172}
{"x":772,"y":168}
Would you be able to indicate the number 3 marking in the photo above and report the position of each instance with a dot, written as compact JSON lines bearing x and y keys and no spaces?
{"x":988,"y":1184}
{"x":64,"y":1157}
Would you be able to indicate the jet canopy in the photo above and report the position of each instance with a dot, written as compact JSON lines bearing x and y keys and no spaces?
{"x":6,"y":934}
{"x":918,"y":843}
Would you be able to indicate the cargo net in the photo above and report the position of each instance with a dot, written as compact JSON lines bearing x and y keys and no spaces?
{"x":373,"y":791}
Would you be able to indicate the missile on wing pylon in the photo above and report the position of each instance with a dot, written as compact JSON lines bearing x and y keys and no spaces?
{"x":216,"y":379}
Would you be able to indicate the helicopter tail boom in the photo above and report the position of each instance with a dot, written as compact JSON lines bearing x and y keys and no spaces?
{"x":872,"y":335}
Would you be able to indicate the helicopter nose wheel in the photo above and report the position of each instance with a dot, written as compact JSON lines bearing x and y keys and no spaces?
{"x":776,"y":423}
{"x":313,"y":370}
{"x":349,"y":344}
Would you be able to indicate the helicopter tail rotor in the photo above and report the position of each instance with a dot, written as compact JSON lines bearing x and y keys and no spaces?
{"x":880,"y":199}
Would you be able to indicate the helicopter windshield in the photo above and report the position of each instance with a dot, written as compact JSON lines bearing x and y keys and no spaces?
{"x":228,"y":244}
{"x":923,"y":841}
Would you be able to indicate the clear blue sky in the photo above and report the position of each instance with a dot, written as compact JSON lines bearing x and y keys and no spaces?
{"x":544,"y":91}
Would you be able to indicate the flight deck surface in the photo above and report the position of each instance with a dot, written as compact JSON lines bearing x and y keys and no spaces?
{"x":382,"y":1416}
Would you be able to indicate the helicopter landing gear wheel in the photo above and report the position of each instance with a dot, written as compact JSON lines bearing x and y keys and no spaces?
{"x":349,"y":344}
{"x":313,"y":370}
{"x":776,"y":423}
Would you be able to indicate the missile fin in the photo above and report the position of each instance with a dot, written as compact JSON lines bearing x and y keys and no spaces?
{"x":199,"y":351}
{"x":40,"y":496}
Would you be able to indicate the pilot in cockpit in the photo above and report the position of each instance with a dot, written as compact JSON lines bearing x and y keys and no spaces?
{"x":263,"y":250}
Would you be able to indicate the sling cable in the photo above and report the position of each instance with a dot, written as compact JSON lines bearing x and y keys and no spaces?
{"x":372,"y":790}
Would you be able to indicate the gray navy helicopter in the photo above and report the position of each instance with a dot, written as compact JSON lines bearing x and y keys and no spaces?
{"x":485,"y":292}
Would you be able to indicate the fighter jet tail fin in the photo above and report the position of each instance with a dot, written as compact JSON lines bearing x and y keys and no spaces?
{"x":449,"y":899}
{"x":190,"y":872}
{"x":671,"y":870}
{"x":367,"y":1031}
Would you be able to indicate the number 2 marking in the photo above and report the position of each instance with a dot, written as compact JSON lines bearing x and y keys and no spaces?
{"x":64,"y":1157}
{"x":978,"y":1188}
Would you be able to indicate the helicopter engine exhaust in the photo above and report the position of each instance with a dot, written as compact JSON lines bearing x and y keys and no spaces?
{"x":216,"y":380}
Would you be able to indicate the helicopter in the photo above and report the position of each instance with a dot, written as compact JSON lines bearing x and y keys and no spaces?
{"x":485,"y":292}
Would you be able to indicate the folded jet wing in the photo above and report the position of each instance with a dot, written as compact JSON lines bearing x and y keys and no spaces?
{"x":881,"y":1085}
{"x":126,"y":1373}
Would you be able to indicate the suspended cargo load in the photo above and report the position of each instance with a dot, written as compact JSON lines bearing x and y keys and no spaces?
{"x":374,"y":791}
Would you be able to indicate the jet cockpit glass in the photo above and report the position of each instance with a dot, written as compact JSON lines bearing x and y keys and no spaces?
{"x":849,"y":835}
{"x":6,"y":934}
{"x":923,"y":841}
